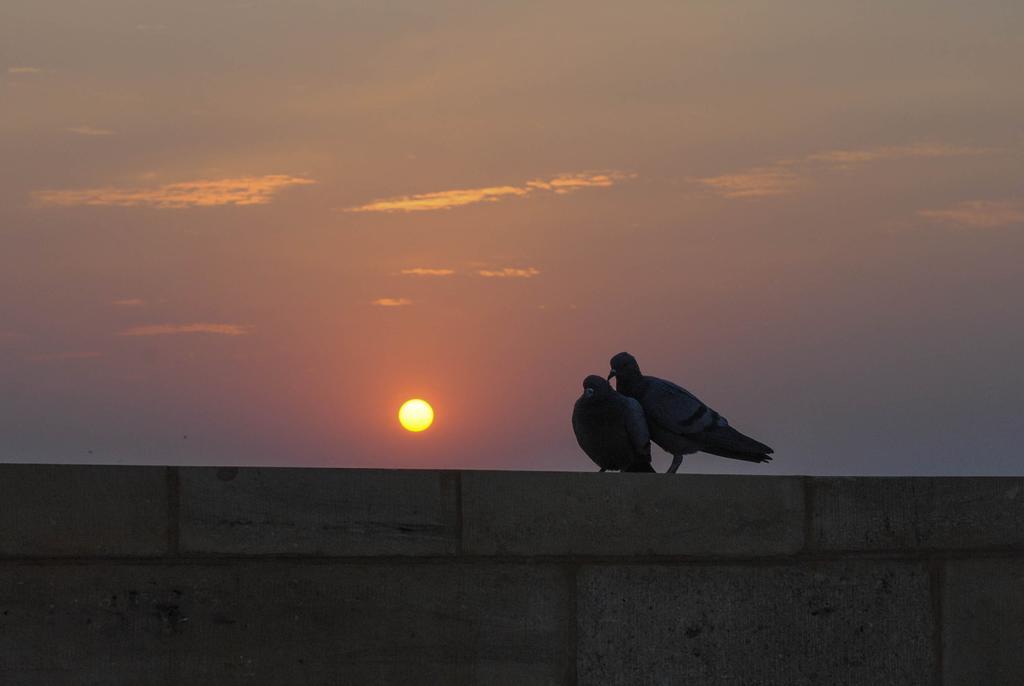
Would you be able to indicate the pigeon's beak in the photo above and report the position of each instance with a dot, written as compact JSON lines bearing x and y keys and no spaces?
{"x":611,"y":375}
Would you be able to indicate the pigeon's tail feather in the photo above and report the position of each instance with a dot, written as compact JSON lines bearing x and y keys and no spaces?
{"x":726,"y":441}
{"x":748,"y":457}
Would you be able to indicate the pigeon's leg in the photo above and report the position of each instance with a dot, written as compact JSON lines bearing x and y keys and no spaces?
{"x":601,"y":469}
{"x":676,"y":461}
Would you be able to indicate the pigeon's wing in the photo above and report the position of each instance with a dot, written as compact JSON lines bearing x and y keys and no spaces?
{"x":585,"y":438}
{"x":636,"y":430}
{"x":577,"y":424}
{"x":677,"y":410}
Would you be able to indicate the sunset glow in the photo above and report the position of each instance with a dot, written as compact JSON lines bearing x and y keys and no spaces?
{"x":266,"y":225}
{"x":416,"y":415}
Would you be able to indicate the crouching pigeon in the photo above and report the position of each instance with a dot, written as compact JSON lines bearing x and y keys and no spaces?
{"x":611,"y":428}
{"x":678,"y":421}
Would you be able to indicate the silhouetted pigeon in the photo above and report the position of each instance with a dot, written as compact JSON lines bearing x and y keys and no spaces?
{"x":611,"y":428}
{"x":678,"y":421}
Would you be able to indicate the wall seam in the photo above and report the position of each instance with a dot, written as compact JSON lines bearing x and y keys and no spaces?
{"x":173,"y":511}
{"x":572,"y":675}
{"x":439,"y":558}
{"x":459,"y":544}
{"x":937,"y":574}
{"x":809,"y":541}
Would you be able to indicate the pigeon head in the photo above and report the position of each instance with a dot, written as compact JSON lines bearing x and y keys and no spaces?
{"x":596,"y":387}
{"x":623,"y":365}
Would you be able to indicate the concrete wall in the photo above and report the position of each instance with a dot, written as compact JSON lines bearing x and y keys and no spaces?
{"x":152,"y":575}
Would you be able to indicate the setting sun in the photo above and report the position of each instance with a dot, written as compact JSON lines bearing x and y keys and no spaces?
{"x":416,"y":415}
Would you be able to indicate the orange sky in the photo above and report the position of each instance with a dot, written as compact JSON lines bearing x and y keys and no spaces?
{"x":263,"y":225}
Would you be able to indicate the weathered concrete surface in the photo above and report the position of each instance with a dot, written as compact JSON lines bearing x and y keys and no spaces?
{"x":283,"y":623}
{"x":71,"y":510}
{"x":917,"y":513}
{"x":983,"y":622}
{"x":132,"y":575}
{"x":535,"y":513}
{"x":318,"y":512}
{"x":827,"y":623}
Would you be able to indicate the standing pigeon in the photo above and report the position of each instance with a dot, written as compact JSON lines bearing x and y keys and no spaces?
{"x":611,"y":428}
{"x":679,"y":422}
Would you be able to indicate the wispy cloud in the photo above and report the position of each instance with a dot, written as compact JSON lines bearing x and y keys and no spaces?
{"x":567,"y":183}
{"x":86,"y":130}
{"x":785,"y":177}
{"x":446,"y":200}
{"x":392,"y":302}
{"x":245,"y":190}
{"x":172,"y":329}
{"x":510,"y":273}
{"x":440,"y":200}
{"x":897,"y":152}
{"x":61,"y":357}
{"x":758,"y":182}
{"x":979,"y":214}
{"x":24,"y":70}
{"x":427,"y":271}
{"x":128,"y":302}
{"x":480,"y":270}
